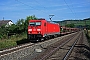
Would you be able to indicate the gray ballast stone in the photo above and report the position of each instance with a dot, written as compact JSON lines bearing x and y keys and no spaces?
{"x":39,"y":47}
{"x":38,"y":50}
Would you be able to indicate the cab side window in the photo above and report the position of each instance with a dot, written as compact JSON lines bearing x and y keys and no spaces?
{"x":44,"y":24}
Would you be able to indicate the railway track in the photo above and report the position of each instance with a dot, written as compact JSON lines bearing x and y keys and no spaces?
{"x":71,"y":48}
{"x":6,"y":51}
{"x":9,"y":50}
{"x":80,"y":51}
{"x":60,"y":50}
{"x":16,"y":49}
{"x":57,"y":49}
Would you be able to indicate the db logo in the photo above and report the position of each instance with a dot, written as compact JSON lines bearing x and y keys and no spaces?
{"x":34,"y":29}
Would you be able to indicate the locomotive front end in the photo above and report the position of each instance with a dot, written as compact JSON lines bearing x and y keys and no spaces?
{"x":34,"y":30}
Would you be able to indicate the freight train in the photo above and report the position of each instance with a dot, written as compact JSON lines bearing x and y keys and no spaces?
{"x":41,"y":29}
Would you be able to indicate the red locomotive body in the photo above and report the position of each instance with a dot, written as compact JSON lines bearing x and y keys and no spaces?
{"x":39,"y":29}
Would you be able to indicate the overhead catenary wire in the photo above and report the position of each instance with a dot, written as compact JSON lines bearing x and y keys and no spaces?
{"x":23,"y":3}
{"x":40,"y":4}
{"x":70,"y":8}
{"x":30,"y":6}
{"x":42,"y":11}
{"x":44,"y":8}
{"x":73,"y":9}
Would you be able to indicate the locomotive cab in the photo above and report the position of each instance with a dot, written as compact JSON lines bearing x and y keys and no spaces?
{"x":36,"y":29}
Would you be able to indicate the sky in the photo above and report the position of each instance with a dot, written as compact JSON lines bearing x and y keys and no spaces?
{"x":61,"y":9}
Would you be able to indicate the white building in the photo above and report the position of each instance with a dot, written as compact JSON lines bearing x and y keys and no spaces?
{"x":6,"y":23}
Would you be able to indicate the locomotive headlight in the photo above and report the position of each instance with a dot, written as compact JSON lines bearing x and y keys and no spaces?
{"x":38,"y":29}
{"x":29,"y":29}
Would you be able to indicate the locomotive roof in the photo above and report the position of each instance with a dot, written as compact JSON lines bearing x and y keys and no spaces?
{"x":47,"y":21}
{"x":41,"y":19}
{"x":52,"y":22}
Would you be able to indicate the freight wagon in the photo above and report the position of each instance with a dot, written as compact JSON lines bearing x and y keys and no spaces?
{"x":42,"y":29}
{"x":68,"y":30}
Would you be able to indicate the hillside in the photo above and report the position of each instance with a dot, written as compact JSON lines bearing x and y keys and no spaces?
{"x":77,"y":23}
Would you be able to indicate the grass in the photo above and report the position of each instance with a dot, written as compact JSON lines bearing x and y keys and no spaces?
{"x":12,"y":41}
{"x":88,"y":36}
{"x":89,"y":33}
{"x":7,"y":44}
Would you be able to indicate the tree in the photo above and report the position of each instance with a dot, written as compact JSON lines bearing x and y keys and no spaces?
{"x":18,"y":28}
{"x":27,"y":20}
{"x":87,"y":19}
{"x":20,"y":24}
{"x":70,"y":25}
{"x":3,"y":31}
{"x":12,"y":29}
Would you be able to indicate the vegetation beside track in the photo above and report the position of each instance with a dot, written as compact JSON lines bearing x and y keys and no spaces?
{"x":89,"y":36}
{"x":15,"y":34}
{"x":87,"y":32}
{"x":13,"y":41}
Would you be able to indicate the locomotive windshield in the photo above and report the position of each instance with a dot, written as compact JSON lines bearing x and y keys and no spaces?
{"x":34,"y":23}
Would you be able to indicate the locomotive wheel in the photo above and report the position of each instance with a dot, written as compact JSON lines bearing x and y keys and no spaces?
{"x":49,"y":37}
{"x":42,"y":39}
{"x":55,"y":36}
{"x":46,"y":38}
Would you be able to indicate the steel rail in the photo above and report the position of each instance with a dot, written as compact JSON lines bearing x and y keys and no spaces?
{"x":55,"y":49}
{"x":70,"y":50}
{"x":15,"y":48}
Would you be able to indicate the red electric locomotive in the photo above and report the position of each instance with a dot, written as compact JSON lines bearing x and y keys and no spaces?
{"x":40,"y":29}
